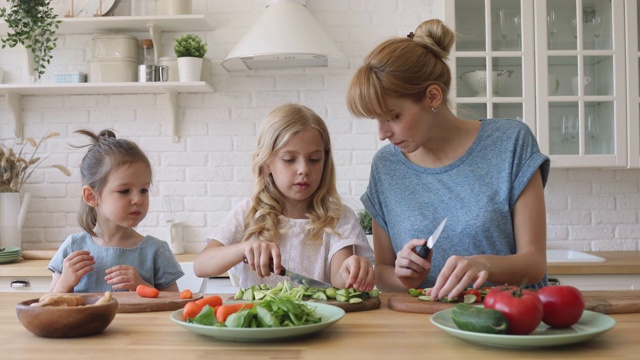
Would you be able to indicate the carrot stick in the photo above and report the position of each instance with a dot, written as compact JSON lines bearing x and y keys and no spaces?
{"x":147,"y":291}
{"x":223,"y":311}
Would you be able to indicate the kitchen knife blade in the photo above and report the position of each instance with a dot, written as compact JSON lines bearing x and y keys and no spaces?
{"x":423,"y":251}
{"x":295,"y":277}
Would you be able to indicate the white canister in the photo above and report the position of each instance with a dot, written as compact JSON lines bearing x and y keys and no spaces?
{"x":112,"y":70}
{"x":114,"y":46}
{"x":172,"y":63}
{"x":173,"y":7}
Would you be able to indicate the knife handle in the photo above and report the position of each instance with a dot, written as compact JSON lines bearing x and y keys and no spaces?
{"x":423,"y":251}
{"x":282,"y":268}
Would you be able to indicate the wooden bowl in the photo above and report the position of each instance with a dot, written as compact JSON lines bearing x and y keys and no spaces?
{"x":67,"y":322}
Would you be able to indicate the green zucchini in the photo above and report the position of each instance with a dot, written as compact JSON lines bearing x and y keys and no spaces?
{"x":478,"y":319}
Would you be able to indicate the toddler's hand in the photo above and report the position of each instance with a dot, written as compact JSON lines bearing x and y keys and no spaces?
{"x":358,"y":273}
{"x":74,"y":267}
{"x":124,"y":277}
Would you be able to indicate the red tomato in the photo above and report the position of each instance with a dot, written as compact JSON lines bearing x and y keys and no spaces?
{"x":523,"y":309}
{"x":563,"y":305}
{"x":490,"y":297}
{"x":474,"y":292}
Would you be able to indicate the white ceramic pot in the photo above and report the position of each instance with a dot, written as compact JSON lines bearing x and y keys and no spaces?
{"x":12,"y":214}
{"x":175,"y":237}
{"x":172,"y":64}
{"x":190,"y":68}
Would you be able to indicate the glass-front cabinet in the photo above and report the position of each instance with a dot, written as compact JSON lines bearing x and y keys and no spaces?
{"x":558,"y":65}
{"x":492,"y":61}
{"x":632,"y":13}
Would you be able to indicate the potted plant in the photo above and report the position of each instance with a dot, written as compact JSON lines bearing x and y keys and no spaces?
{"x":32,"y":24}
{"x":190,"y":49}
{"x":365,"y":221}
{"x":15,"y":169}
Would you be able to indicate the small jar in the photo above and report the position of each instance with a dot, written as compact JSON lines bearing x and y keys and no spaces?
{"x":148,"y":57}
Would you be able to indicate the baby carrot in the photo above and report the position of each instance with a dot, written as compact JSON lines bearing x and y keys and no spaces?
{"x":186,"y":294}
{"x":213,"y":301}
{"x":191,"y":310}
{"x":223,"y":311}
{"x":147,"y":291}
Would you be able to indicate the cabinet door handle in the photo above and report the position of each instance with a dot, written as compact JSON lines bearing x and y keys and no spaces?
{"x":20,"y":283}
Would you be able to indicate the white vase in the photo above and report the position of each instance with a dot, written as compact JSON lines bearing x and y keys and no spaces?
{"x":12,"y":214}
{"x":190,"y":68}
{"x":175,"y":237}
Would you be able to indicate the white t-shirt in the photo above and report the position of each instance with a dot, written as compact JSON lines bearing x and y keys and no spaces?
{"x":309,"y":258}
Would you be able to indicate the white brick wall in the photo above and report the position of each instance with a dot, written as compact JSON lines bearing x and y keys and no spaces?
{"x":209,"y":170}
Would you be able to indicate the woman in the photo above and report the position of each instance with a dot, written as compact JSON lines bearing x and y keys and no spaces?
{"x":485,"y":176}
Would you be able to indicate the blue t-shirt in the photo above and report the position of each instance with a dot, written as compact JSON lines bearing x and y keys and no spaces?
{"x":476,"y":193}
{"x":152,"y":258}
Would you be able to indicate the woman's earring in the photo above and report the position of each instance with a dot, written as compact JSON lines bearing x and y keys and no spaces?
{"x":434,"y":109}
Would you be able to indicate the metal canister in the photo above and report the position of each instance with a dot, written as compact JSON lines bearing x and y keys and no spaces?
{"x":162,"y":73}
{"x":147,"y":73}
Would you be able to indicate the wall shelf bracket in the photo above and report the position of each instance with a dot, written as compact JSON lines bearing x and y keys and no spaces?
{"x":174,"y":114}
{"x":15,"y":106}
{"x":156,"y":36}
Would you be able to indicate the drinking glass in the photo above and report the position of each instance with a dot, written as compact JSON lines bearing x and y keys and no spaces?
{"x":598,"y":28}
{"x":569,"y":129}
{"x":517,"y":23}
{"x":504,"y":27}
{"x":552,"y":26}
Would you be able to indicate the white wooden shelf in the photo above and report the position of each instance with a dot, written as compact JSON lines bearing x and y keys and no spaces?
{"x":155,"y":25}
{"x":13,"y":94}
{"x":93,"y":25}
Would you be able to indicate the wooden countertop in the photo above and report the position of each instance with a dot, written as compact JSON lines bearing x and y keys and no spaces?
{"x":39,"y":267}
{"x":376,"y":334}
{"x":618,"y":262}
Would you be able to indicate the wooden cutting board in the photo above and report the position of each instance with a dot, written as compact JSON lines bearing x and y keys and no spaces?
{"x":131,"y":302}
{"x":605,"y":302}
{"x":365,"y":305}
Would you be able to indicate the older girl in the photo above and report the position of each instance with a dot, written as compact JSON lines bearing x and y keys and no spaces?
{"x":295,"y":216}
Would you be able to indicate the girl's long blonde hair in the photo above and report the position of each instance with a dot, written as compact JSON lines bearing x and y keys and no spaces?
{"x":402,"y":68}
{"x":265,"y":219}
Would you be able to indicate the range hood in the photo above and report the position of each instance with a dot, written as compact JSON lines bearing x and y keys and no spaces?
{"x":285,"y":36}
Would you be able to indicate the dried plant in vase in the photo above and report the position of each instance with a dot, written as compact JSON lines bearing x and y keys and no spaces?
{"x":17,"y":167}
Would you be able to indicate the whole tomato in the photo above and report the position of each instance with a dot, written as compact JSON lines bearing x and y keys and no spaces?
{"x":523,"y":309}
{"x":563,"y":305}
{"x":490,"y":297}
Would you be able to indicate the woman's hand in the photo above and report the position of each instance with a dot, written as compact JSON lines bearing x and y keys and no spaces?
{"x":74,"y":267}
{"x":124,"y":277}
{"x":456,"y":275}
{"x":358,"y":273}
{"x":410,"y":268}
{"x":259,"y":254}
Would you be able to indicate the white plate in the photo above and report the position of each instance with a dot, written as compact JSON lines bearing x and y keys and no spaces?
{"x":590,"y":325}
{"x":330,"y":314}
{"x":82,"y":8}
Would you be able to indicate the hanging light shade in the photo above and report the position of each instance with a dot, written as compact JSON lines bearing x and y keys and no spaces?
{"x":285,"y":36}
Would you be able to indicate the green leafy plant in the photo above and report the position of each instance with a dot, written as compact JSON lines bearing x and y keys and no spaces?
{"x":16,"y":168}
{"x":32,"y":23}
{"x":190,"y":45}
{"x":365,"y":221}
